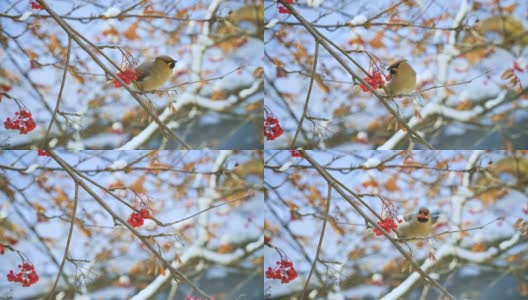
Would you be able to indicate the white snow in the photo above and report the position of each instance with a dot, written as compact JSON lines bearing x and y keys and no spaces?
{"x":272,"y":23}
{"x":372,"y":162}
{"x":358,"y":20}
{"x":112,"y":12}
{"x":31,"y":168}
{"x":314,"y":3}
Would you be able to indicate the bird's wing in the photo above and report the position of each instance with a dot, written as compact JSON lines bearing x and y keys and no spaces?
{"x":143,"y":70}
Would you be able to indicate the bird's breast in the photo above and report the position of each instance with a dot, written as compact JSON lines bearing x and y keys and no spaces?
{"x":156,"y":79}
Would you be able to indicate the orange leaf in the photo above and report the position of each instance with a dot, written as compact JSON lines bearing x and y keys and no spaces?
{"x":138,"y":185}
{"x":188,"y":167}
{"x":217,"y":95}
{"x":301,"y":51}
{"x":54,"y":44}
{"x":322,"y":85}
{"x":478,"y":247}
{"x":131,"y":33}
{"x":61,"y":196}
{"x":510,"y":8}
{"x":225,"y":248}
{"x":32,"y":55}
{"x":291,"y":205}
{"x":152,"y":266}
{"x":84,"y":230}
{"x":342,"y":111}
{"x":374,"y":124}
{"x":278,"y":63}
{"x":464,"y":105}
{"x":314,"y":194}
{"x":517,"y":223}
{"x":161,"y":270}
{"x":442,"y":164}
{"x":377,"y":42}
{"x":338,"y":228}
{"x":507,"y":74}
{"x":392,"y":184}
{"x":258,"y":73}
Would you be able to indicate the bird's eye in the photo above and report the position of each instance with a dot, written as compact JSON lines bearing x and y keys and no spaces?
{"x":171,"y":64}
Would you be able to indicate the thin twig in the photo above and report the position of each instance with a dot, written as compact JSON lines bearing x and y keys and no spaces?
{"x":59,"y":97}
{"x":305,"y":109}
{"x":72,"y":223}
{"x":316,"y":258}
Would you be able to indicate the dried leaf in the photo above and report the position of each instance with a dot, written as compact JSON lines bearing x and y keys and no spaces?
{"x":507,"y":74}
{"x":138,"y":185}
{"x":510,"y":8}
{"x":464,"y":105}
{"x":218,"y":95}
{"x":341,"y":111}
{"x":377,"y":42}
{"x":392,"y":184}
{"x":76,"y":75}
{"x":517,"y":224}
{"x":225,"y":248}
{"x":131,"y":32}
{"x":338,"y":228}
{"x":252,"y":106}
{"x":161,"y":270}
{"x":84,"y":230}
{"x":443,"y":164}
{"x":61,"y":196}
{"x":322,"y":85}
{"x":301,"y":52}
{"x":374,"y":125}
{"x":151,"y":266}
{"x":32,"y":55}
{"x":478,"y":247}
{"x":314,"y":195}
{"x":55,"y":44}
{"x":4,"y":187}
{"x":258,"y":73}
{"x":189,"y":167}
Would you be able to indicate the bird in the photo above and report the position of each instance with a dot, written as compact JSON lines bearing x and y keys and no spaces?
{"x":417,"y":225}
{"x":152,"y":74}
{"x":403,"y":78}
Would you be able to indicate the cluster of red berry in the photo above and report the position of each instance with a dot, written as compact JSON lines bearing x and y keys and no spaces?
{"x":295,"y":153}
{"x":387,"y":225}
{"x":35,"y":5}
{"x":127,"y":76}
{"x":26,"y":275}
{"x":284,"y":271}
{"x":42,"y":153}
{"x":272,"y":128}
{"x":375,"y":80}
{"x":284,"y":10}
{"x":23,"y":122}
{"x":137,"y":219}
